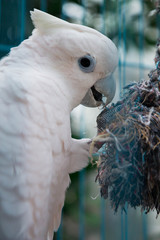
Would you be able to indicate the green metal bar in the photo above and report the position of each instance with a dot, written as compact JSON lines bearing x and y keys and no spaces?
{"x":23,"y":10}
{"x":103,"y":219}
{"x":62,"y":13}
{"x":59,"y":235}
{"x":43,"y":5}
{"x":126,"y":221}
{"x":124,"y":83}
{"x":0,"y":12}
{"x":83,"y":3}
{"x":136,"y":65}
{"x":119,"y":43}
{"x":5,"y":47}
{"x":103,"y":11}
{"x":141,"y":41}
{"x":141,"y":75}
{"x":103,"y":202}
{"x":81,"y":205}
{"x":122,"y":226}
{"x":119,"y":14}
{"x":124,"y":40}
{"x":144,"y":226}
{"x":158,"y":25}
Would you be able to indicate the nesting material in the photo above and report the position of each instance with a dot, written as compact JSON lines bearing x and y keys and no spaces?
{"x":129,"y":138}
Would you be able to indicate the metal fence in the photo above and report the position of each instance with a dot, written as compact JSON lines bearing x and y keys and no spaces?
{"x":15,"y":25}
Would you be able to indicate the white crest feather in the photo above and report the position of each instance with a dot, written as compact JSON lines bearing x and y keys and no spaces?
{"x":43,"y":21}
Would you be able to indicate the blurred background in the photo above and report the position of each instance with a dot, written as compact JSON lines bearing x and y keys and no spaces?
{"x":134,"y":27}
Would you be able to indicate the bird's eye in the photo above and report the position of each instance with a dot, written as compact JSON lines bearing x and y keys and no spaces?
{"x":87,"y":63}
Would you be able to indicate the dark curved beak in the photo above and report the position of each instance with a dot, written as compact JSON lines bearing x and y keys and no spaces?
{"x":105,"y":87}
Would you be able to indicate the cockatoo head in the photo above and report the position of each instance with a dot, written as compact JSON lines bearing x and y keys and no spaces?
{"x":83,"y":57}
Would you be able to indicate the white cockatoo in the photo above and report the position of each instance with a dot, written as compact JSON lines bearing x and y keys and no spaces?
{"x":58,"y":67}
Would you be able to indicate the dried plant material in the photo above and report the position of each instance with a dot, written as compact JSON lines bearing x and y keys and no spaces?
{"x":129,"y":142}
